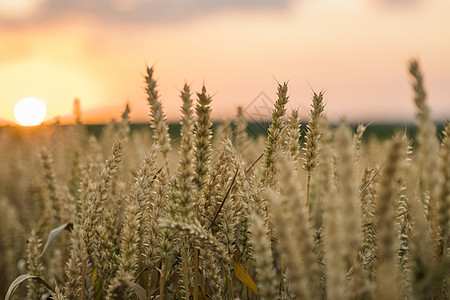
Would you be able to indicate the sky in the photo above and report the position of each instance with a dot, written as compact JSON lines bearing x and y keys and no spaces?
{"x":357,"y":51}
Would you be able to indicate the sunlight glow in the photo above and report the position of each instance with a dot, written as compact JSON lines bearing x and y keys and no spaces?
{"x":30,"y":111}
{"x":17,"y":9}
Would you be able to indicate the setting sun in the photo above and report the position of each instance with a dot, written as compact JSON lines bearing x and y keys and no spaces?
{"x":30,"y":111}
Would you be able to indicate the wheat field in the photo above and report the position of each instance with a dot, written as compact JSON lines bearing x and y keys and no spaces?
{"x":305,"y":212}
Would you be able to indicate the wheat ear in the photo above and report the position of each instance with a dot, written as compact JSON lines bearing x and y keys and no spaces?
{"x":202,"y":154}
{"x":273,"y":140}
{"x":346,"y":193}
{"x":293,"y":133}
{"x":241,"y":131}
{"x":369,"y":233}
{"x":387,"y":275}
{"x":34,"y":265}
{"x":185,"y":171}
{"x":428,"y":154}
{"x":312,"y":137}
{"x":158,"y":122}
{"x":357,"y":140}
{"x":50,"y":187}
{"x":262,"y":254}
{"x":295,"y":235}
{"x":185,"y":176}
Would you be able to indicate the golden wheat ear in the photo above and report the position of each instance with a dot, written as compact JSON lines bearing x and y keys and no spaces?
{"x":262,"y":253}
{"x":241,"y":136}
{"x":387,"y":269}
{"x":273,"y":140}
{"x":427,"y":154}
{"x":158,"y":122}
{"x":312,"y":136}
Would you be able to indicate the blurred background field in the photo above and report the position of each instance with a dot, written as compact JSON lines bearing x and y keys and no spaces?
{"x":254,"y":130}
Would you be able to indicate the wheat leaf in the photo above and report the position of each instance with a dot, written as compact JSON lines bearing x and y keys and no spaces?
{"x":15,"y":284}
{"x":140,"y":292}
{"x":54,"y":233}
{"x":243,"y":276}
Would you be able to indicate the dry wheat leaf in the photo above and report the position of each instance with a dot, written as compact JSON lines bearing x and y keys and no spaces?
{"x":140,"y":292}
{"x":243,"y":276}
{"x":15,"y":284}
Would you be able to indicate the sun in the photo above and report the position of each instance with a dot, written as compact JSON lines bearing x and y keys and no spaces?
{"x":30,"y":111}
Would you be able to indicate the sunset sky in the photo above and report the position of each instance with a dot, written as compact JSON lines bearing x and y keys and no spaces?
{"x":97,"y":51}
